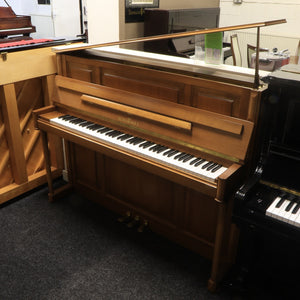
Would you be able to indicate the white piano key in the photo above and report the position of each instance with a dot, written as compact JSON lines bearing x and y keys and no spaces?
{"x":272,"y":206}
{"x":287,"y":214}
{"x":294,"y":217}
{"x":279,"y":212}
{"x":146,"y":152}
{"x":297,"y":221}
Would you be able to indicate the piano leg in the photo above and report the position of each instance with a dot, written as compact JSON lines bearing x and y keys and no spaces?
{"x":52,"y":193}
{"x":218,"y":248}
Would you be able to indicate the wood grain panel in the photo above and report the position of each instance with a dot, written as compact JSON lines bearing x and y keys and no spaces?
{"x":144,"y":191}
{"x":30,"y":97}
{"x":81,"y":72}
{"x":153,"y":89}
{"x":13,"y":134}
{"x":230,"y":102}
{"x":6,"y":176}
{"x":200,"y":216}
{"x":211,"y":103}
{"x":85,"y":166}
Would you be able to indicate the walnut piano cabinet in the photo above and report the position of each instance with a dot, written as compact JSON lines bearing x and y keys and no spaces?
{"x":202,"y":115}
{"x":26,"y":83}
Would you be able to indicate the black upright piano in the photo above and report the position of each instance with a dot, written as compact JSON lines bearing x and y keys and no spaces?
{"x":267,"y":206}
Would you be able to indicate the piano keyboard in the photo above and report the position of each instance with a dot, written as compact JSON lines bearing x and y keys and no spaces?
{"x":179,"y":160}
{"x":286,"y":208}
{"x":15,"y":29}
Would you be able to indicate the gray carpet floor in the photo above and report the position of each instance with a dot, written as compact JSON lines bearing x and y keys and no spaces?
{"x":74,"y":249}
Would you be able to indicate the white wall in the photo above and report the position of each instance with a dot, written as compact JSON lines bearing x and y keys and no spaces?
{"x":251,"y":11}
{"x":66,"y":17}
{"x":103,"y":20}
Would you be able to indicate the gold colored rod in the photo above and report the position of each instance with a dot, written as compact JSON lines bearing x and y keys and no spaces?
{"x":256,"y":76}
{"x":173,"y":35}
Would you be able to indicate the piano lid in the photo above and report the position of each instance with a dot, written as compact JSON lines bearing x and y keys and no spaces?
{"x":6,"y":12}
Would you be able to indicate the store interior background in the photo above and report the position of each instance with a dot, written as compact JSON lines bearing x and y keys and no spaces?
{"x":106,"y":19}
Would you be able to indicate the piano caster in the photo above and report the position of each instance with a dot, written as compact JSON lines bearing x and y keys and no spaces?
{"x":134,"y":222}
{"x":126,"y":218}
{"x":143,"y":226}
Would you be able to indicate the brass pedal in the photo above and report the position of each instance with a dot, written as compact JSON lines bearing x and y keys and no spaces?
{"x":134,"y":222}
{"x":126,"y":218}
{"x":143,"y":226}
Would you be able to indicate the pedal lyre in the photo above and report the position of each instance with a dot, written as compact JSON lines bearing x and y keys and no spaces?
{"x":126,"y":218}
{"x":134,"y":222}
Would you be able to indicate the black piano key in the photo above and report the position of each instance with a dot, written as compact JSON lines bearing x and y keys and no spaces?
{"x":172,"y":153}
{"x":169,"y":151}
{"x":198,"y":163}
{"x":216,"y":168}
{"x":138,"y":141}
{"x":109,"y":133}
{"x":195,"y":161}
{"x":76,"y":121}
{"x":296,"y":208}
{"x":157,"y":148}
{"x":188,"y":158}
{"x":147,"y":145}
{"x":131,"y":140}
{"x":162,"y":148}
{"x":104,"y":130}
{"x":280,"y":202}
{"x":207,"y":165}
{"x":153,"y":148}
{"x":143,"y":144}
{"x":211,"y":166}
{"x":73,"y":120}
{"x":124,"y":137}
{"x":95,"y":127}
{"x":183,"y":157}
{"x":116,"y":133}
{"x":66,"y":117}
{"x":85,"y":123}
{"x":289,"y":206}
{"x":178,"y":156}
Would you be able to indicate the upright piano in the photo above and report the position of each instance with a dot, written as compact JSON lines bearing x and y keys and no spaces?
{"x":267,"y":205}
{"x":163,"y":141}
{"x":14,"y":25}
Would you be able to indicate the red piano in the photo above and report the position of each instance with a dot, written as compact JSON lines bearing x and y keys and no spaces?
{"x":19,"y":27}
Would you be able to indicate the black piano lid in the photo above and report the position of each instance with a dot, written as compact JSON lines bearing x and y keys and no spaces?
{"x":287,"y":75}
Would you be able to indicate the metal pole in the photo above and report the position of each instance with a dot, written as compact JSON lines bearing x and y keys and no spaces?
{"x":256,"y":76}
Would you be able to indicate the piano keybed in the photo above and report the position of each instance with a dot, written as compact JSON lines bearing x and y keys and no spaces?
{"x":186,"y":162}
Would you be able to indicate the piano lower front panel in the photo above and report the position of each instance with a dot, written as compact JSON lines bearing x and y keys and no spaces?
{"x":185,"y":216}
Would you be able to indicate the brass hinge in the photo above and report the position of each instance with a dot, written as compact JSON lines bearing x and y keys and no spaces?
{"x":3,"y":56}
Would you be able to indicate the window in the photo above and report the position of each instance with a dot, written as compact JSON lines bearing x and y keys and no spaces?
{"x":43,"y":1}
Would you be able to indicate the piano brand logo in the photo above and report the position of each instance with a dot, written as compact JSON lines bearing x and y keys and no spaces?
{"x":128,"y":121}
